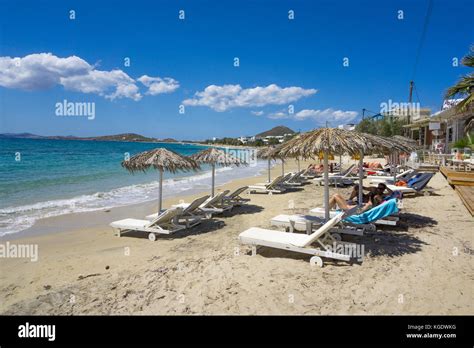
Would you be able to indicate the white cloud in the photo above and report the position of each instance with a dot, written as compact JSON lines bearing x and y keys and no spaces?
{"x":222,"y":98}
{"x":257,"y":113}
{"x":109,"y":84}
{"x":158,"y":85}
{"x":320,"y":116}
{"x":41,"y":71}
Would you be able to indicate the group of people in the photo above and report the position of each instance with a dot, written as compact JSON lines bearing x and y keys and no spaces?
{"x":373,"y":197}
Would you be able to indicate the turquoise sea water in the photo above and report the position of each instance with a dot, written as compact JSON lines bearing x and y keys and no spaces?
{"x":42,"y":178}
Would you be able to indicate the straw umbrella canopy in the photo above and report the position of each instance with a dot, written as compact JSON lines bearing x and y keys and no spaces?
{"x":328,"y":141}
{"x":215,"y":157}
{"x":162,"y":160}
{"x":404,"y":140}
{"x":271,"y":153}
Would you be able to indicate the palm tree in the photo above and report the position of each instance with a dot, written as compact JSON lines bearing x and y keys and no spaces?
{"x":465,"y":86}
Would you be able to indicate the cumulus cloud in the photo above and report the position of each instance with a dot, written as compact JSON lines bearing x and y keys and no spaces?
{"x":320,"y":116}
{"x":41,"y":71}
{"x":158,"y":85}
{"x":223,"y":98}
{"x":109,"y":84}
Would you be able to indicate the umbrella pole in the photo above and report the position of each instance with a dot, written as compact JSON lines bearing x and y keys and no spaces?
{"x":340,"y":163}
{"x":298,"y":161}
{"x":326,"y":187}
{"x":160,"y":192}
{"x":282,"y":167}
{"x":269,"y":174}
{"x":393,"y":168}
{"x":361,"y":178}
{"x":213,"y":179}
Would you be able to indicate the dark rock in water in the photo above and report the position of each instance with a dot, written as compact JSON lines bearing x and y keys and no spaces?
{"x":107,"y":267}
{"x":107,"y":211}
{"x":47,"y":287}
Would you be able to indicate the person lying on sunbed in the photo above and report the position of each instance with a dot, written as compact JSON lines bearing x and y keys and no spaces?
{"x":373,"y":200}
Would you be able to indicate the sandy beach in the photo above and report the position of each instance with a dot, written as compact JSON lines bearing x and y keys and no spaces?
{"x":423,"y":266}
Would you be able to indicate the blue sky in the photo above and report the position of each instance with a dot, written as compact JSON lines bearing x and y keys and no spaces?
{"x":283,"y":62}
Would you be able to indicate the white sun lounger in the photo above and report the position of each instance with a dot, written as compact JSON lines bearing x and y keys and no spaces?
{"x":343,"y":172}
{"x":296,"y":179}
{"x":300,"y":243}
{"x":211,"y":206}
{"x":345,"y":179}
{"x":165,"y":223}
{"x":234,"y":198}
{"x":272,"y":187}
{"x":191,"y":215}
{"x":387,"y":178}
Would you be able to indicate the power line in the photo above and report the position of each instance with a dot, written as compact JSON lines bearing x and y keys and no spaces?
{"x":423,"y":35}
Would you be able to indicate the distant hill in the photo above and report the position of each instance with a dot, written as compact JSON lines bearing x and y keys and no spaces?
{"x":275,"y":131}
{"x":132,"y":137}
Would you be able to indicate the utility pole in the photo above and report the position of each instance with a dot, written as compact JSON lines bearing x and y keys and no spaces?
{"x":410,"y":99}
{"x":363,"y":113}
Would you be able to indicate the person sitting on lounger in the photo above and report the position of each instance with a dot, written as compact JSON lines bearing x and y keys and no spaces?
{"x":355,"y":194}
{"x":383,"y":191}
{"x":374,"y":199}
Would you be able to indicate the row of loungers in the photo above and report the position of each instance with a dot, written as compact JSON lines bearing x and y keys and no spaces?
{"x":416,"y":182}
{"x":280,"y":184}
{"x":183,"y":215}
{"x":322,"y":239}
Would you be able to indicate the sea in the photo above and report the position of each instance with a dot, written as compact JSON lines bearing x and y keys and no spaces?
{"x":42,"y":178}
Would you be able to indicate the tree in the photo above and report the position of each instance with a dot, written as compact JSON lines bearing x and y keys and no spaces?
{"x":465,"y":86}
{"x":366,"y":126}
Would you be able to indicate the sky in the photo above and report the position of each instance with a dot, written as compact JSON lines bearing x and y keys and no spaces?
{"x":198,"y":69}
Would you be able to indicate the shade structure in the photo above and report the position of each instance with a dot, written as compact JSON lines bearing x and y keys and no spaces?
{"x":271,"y":153}
{"x":328,"y":141}
{"x":216,"y":157}
{"x":162,"y":160}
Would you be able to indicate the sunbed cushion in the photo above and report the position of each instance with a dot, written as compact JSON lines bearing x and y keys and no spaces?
{"x":261,"y":236}
{"x":130,"y":223}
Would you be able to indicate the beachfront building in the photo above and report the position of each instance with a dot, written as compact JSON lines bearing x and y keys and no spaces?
{"x":246,"y":139}
{"x":440,"y":131}
{"x":280,"y":138}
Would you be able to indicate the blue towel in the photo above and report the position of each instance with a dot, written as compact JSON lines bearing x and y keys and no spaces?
{"x":383,"y":210}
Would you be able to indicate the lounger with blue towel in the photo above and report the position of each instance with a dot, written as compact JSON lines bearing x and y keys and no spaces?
{"x":384,"y":209}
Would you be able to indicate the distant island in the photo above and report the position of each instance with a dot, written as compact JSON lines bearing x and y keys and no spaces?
{"x":128,"y":137}
{"x":273,"y":136}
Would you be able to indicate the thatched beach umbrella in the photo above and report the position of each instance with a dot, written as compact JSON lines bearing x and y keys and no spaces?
{"x":328,"y":141}
{"x":215,"y":157}
{"x":271,"y":153}
{"x":162,"y":160}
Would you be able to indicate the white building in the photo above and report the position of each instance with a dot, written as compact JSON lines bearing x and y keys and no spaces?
{"x":349,"y":126}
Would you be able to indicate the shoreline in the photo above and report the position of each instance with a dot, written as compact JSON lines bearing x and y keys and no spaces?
{"x":53,"y":224}
{"x":204,"y":270}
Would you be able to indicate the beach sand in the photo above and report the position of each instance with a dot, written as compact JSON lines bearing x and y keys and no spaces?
{"x":425,"y":266}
